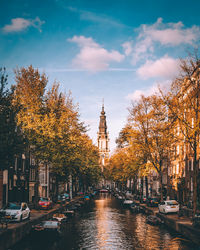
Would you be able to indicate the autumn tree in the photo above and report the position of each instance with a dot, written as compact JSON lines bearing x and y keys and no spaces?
{"x":50,"y":121}
{"x":123,"y":139}
{"x":89,"y":169}
{"x":123,"y":165}
{"x":149,"y":118}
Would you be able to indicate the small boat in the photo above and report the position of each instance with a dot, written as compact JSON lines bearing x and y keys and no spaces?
{"x":69,"y":213}
{"x":78,"y":205}
{"x":103,"y":190}
{"x":86,"y":197}
{"x":60,"y":217}
{"x":135,"y":208}
{"x":119,"y":197}
{"x":50,"y":227}
{"x":72,"y":207}
{"x":127,"y":202}
{"x":153,"y":220}
{"x":81,"y":202}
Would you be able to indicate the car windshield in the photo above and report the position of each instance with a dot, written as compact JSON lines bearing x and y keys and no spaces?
{"x":13,"y":206}
{"x":171,"y":203}
{"x":43,"y":199}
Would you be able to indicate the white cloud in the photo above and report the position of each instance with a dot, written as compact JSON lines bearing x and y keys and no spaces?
{"x":127,"y":46}
{"x":93,"y":17}
{"x":166,"y":34}
{"x":136,"y":95}
{"x":154,"y":89}
{"x":141,"y":49}
{"x":171,"y":33}
{"x":165,"y":67}
{"x":20,"y":24}
{"x":92,"y":56}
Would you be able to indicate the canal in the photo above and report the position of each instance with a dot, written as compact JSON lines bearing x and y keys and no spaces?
{"x":105,"y":225}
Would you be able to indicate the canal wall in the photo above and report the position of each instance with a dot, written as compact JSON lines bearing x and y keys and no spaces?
{"x":183,"y":227}
{"x":180,"y":225}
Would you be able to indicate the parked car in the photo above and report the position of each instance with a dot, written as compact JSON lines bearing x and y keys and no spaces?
{"x":80,"y":193}
{"x":143,"y":199}
{"x":16,"y":211}
{"x":169,"y":206}
{"x":66,"y":195}
{"x":153,"y":202}
{"x":45,"y":203}
{"x":61,"y":199}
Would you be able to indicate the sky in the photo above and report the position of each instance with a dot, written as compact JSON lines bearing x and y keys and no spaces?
{"x":114,"y":50}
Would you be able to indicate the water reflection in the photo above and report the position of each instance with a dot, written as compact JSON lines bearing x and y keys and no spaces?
{"x":105,"y":225}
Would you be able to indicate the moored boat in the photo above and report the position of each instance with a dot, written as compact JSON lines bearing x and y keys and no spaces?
{"x":127,"y":203}
{"x":153,"y":220}
{"x":60,"y":217}
{"x":49,"y":228}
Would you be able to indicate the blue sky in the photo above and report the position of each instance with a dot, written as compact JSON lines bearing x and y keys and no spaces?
{"x":111,"y":49}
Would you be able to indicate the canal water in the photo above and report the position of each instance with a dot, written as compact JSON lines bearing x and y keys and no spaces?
{"x":105,"y":225}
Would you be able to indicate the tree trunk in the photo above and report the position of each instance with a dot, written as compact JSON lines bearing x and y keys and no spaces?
{"x":70,"y":186}
{"x":194,"y":182}
{"x":161,"y":185}
{"x":146,"y":185}
{"x":1,"y":189}
{"x":36,"y":187}
{"x":141,"y":190}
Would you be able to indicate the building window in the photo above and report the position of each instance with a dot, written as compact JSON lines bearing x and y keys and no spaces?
{"x":14,"y":180}
{"x":16,"y":164}
{"x":32,"y":174}
{"x":32,"y":161}
{"x":178,"y":130}
{"x":184,"y":171}
{"x":177,"y":168}
{"x":23,"y":165}
{"x":174,"y":169}
{"x":177,"y":149}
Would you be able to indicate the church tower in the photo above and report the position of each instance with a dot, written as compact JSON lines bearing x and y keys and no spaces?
{"x":103,"y":138}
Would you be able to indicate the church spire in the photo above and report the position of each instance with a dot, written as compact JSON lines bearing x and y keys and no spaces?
{"x":103,"y":136}
{"x":102,"y":123}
